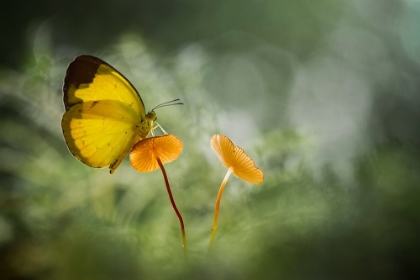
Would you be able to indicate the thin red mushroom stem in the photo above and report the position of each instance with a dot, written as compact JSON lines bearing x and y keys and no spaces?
{"x":216,"y":210}
{"x":181,"y":221}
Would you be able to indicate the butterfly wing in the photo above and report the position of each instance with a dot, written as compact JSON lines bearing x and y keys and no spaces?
{"x":89,"y":78}
{"x":100,"y":133}
{"x":104,"y":115}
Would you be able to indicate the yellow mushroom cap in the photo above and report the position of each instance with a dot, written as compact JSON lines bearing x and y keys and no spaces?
{"x":143,"y":156}
{"x":235,"y":158}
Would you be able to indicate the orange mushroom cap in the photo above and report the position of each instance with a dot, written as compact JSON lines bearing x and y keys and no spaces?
{"x":235,"y":158}
{"x":144,"y":155}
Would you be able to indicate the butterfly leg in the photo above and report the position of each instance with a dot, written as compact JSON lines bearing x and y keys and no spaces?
{"x":161,"y":128}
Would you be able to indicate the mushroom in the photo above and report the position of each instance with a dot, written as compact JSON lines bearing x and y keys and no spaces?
{"x":237,"y":162}
{"x":150,"y":154}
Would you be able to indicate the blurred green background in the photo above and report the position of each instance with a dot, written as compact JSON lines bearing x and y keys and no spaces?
{"x":323,"y":95}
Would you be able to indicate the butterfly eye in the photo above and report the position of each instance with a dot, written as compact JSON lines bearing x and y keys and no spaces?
{"x":151,"y":116}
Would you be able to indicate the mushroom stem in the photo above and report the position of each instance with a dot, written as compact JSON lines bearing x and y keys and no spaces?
{"x":168,"y":188}
{"x":216,"y":210}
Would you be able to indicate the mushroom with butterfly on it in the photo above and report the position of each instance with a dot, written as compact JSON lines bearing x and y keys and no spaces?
{"x":150,"y":154}
{"x":105,"y":115}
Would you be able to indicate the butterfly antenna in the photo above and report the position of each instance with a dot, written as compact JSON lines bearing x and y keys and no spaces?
{"x":168,"y":103}
{"x":164,"y":104}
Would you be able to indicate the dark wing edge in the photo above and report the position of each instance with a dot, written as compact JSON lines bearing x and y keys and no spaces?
{"x":82,"y":70}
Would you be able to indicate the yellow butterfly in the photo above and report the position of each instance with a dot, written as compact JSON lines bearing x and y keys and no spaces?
{"x":104,"y":116}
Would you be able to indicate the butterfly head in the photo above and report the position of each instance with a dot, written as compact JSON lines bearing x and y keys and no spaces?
{"x":151,"y":116}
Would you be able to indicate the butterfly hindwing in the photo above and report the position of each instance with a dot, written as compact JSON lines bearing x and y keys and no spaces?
{"x":100,"y":133}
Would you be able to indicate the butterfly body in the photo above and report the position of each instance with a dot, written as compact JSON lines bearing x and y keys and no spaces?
{"x":105,"y":115}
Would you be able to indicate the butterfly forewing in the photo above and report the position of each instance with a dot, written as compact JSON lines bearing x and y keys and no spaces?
{"x":89,"y":78}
